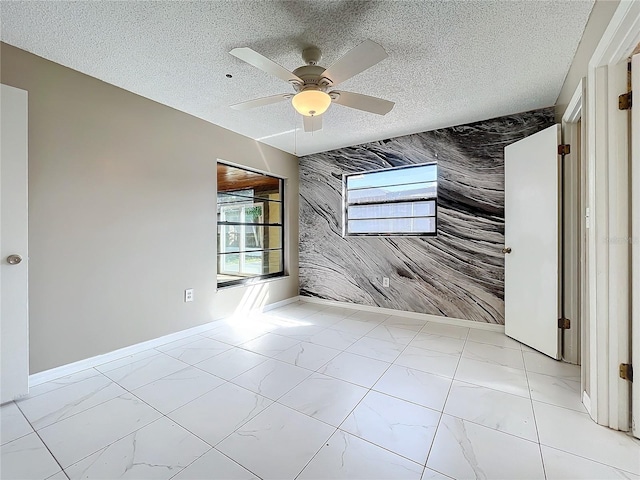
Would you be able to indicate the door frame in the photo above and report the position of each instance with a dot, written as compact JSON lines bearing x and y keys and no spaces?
{"x":608,"y":272}
{"x":635,"y":251}
{"x":573,"y":227}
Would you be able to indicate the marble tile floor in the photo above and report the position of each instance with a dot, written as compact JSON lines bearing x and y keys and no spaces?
{"x":309,"y":391}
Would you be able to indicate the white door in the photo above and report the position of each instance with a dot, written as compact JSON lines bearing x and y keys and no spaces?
{"x":14,"y":323}
{"x":531,"y":232}
{"x":635,"y":246}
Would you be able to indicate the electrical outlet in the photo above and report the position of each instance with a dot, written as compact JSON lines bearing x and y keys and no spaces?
{"x":188,"y":295}
{"x":385,"y":281}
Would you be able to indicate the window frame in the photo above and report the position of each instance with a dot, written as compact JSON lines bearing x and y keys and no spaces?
{"x":253,"y":199}
{"x":345,"y":205}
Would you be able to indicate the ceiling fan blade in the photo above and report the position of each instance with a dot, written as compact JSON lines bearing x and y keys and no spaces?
{"x":356,"y":60}
{"x":312,"y":124}
{"x":362,"y":102}
{"x":259,"y":102}
{"x":263,"y":63}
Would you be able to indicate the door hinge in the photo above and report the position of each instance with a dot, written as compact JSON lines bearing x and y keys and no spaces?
{"x":564,"y":323}
{"x":564,"y":149}
{"x":626,"y":371}
{"x":625,"y":101}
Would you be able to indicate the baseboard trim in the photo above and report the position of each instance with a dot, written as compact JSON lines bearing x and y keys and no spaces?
{"x":279,"y":304}
{"x":420,"y":316}
{"x":75,"y":367}
{"x":586,"y":401}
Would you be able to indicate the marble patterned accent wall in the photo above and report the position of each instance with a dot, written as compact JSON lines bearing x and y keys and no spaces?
{"x":458,"y":273}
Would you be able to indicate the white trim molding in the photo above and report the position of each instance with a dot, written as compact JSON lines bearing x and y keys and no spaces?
{"x":419,"y":316}
{"x":573,"y":112}
{"x":608,"y":199}
{"x":75,"y":367}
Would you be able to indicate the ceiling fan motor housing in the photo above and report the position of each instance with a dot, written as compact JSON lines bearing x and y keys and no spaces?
{"x":312,"y":77}
{"x":311,"y":55}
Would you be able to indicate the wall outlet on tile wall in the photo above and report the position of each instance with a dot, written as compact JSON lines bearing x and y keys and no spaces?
{"x":385,"y":281}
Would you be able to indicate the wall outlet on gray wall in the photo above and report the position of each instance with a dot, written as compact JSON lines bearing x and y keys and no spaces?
{"x":385,"y":281}
{"x":188,"y":295}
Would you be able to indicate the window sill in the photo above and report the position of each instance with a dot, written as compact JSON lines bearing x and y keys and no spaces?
{"x":252,"y":283}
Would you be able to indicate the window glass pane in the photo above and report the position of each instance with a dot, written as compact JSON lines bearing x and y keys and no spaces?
{"x":252,"y":263}
{"x":250,"y":211}
{"x":229,"y":264}
{"x":414,"y":191}
{"x":231,"y":214}
{"x":399,"y":176}
{"x":393,"y":225}
{"x":273,"y":261}
{"x":230,"y":197}
{"x":250,"y":230}
{"x":250,"y":196}
{"x":236,"y":266}
{"x":253,"y":214}
{"x":387,"y":210}
{"x":241,"y":238}
{"x":253,"y":237}
{"x":229,"y":238}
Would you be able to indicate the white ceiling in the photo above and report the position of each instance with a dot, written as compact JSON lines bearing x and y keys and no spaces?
{"x":450,"y":62}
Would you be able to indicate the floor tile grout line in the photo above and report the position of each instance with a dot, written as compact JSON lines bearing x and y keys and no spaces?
{"x":162,"y":415}
{"x":315,"y":454}
{"x":535,"y":420}
{"x":28,"y":396}
{"x":111,"y":382}
{"x":44,"y":443}
{"x":124,"y":436}
{"x":370,"y":443}
{"x":369,"y":390}
{"x":591,"y":459}
{"x":157,"y":353}
{"x":470,"y":382}
{"x":182,"y":344}
{"x":491,"y":428}
{"x":194,"y":461}
{"x":444,"y":406}
{"x":221,"y":453}
{"x":423,"y":465}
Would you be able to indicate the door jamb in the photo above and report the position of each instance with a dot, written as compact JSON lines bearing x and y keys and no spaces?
{"x":572,"y":224}
{"x":609,"y":284}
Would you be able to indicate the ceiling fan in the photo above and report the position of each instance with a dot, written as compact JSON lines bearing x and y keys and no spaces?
{"x":314,"y":84}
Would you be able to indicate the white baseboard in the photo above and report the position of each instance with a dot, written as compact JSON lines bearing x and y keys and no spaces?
{"x":279,"y":304}
{"x":420,"y":316}
{"x":586,"y":401}
{"x":75,"y":367}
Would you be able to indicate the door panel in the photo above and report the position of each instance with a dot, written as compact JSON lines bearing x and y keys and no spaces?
{"x":14,"y":366}
{"x":532,"y":232}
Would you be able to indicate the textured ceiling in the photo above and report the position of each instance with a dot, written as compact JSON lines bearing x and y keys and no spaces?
{"x":449,"y":62}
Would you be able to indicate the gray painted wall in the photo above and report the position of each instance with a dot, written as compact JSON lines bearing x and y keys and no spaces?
{"x":460,"y":272}
{"x":122,"y":214}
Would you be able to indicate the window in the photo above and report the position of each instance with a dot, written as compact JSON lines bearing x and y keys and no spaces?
{"x":393,"y":201}
{"x":250,"y":226}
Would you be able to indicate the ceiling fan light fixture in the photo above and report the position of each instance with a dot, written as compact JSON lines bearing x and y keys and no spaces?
{"x":311,"y":103}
